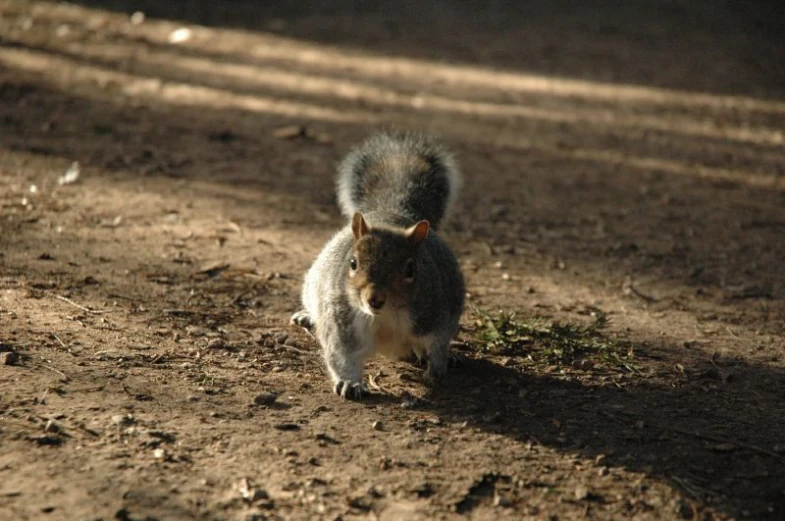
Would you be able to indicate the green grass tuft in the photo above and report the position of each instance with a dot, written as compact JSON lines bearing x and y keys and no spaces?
{"x":551,"y":342}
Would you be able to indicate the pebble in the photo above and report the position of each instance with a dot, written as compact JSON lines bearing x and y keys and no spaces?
{"x":183,"y":34}
{"x":216,"y":343}
{"x":378,"y":426}
{"x":9,"y":358}
{"x":265,"y":399}
{"x":122,"y":419}
{"x":249,"y":492}
{"x":137,"y":18}
{"x":501,"y":501}
{"x":159,"y":453}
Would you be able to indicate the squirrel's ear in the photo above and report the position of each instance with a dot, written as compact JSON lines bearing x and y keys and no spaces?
{"x":359,"y":226}
{"x":417,"y":233}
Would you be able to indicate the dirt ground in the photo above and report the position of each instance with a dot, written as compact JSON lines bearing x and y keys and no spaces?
{"x":625,"y":161}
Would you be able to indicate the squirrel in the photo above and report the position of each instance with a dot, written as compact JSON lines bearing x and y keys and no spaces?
{"x":386,"y":283}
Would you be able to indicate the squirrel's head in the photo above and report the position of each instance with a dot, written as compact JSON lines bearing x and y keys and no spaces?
{"x":382,"y":271}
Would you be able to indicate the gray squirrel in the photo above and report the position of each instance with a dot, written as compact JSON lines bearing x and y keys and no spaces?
{"x":386,"y":283}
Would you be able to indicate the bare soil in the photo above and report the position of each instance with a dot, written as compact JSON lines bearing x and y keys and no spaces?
{"x":621,"y":161}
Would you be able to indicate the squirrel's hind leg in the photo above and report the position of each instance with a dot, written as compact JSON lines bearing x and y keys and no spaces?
{"x":440,"y":357}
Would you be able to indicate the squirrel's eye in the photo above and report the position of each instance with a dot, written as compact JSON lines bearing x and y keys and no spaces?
{"x":353,"y":264}
{"x":408,"y":271}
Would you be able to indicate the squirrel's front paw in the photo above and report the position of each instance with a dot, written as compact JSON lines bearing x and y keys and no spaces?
{"x":350,"y":390}
{"x":302,"y":319}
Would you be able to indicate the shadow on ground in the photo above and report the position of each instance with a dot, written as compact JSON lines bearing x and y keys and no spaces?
{"x":713,"y":431}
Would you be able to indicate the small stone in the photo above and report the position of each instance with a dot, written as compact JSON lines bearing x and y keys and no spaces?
{"x":265,"y":399}
{"x":258,"y":494}
{"x":249,"y":492}
{"x":581,"y":492}
{"x":412,"y":403}
{"x":290,"y":132}
{"x":137,"y":18}
{"x":9,"y":358}
{"x":72,"y":174}
{"x":159,"y":453}
{"x":378,"y":426}
{"x":602,"y":471}
{"x":216,"y":343}
{"x":51,"y":427}
{"x":183,"y":34}
{"x":501,"y":501}
{"x":123,"y":419}
{"x":498,"y":210}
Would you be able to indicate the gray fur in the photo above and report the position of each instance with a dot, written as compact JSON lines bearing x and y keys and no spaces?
{"x":402,"y":173}
{"x":345,"y":331}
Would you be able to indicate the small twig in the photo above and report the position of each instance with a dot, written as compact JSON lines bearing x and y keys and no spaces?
{"x":709,"y":437}
{"x":292,"y":349}
{"x":691,"y":489}
{"x":635,"y":291}
{"x":179,"y":312}
{"x":60,"y":341}
{"x":757,"y":223}
{"x":65,"y":378}
{"x":717,"y":439}
{"x":242,"y":294}
{"x":79,"y":306}
{"x":373,"y":383}
{"x":614,"y":418}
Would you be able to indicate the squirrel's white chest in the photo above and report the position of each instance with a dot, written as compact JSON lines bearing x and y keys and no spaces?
{"x":390,"y":334}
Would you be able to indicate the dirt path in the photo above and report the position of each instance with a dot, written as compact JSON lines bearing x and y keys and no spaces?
{"x":624,"y":163}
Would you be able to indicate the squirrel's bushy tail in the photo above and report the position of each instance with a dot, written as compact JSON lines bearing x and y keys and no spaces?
{"x":403,"y":174}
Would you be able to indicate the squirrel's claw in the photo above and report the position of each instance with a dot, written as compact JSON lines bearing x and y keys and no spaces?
{"x":303,"y":319}
{"x":457,"y":359}
{"x":350,"y":390}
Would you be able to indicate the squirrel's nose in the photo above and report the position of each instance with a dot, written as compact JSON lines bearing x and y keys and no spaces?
{"x":376,"y":301}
